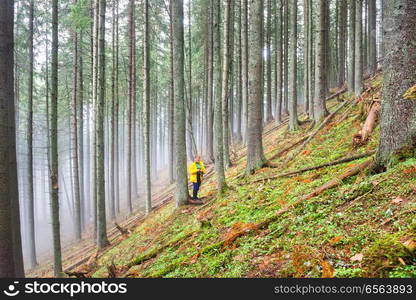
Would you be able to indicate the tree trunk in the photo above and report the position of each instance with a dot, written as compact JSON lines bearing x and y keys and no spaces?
{"x":74,"y":136}
{"x":342,"y":27}
{"x":130,"y":107}
{"x":101,"y":212}
{"x":351,"y":46}
{"x":218,"y":123}
{"x":146,"y":108}
{"x":244,"y":56}
{"x":320,"y":110}
{"x":358,"y":80}
{"x":269,"y":115}
{"x":238,"y":129}
{"x":398,"y":115}
{"x":54,"y":145}
{"x":279,"y":62}
{"x":293,"y":103}
{"x":30,"y":195}
{"x":11,"y":262}
{"x":226,"y":81}
{"x":181,"y":194}
{"x":372,"y":37}
{"x":286,"y":57}
{"x":255,"y":155}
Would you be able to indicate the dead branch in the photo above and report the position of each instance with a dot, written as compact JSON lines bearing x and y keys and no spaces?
{"x":362,"y":136}
{"x":124,"y":232}
{"x":330,"y":184}
{"x":332,"y":163}
{"x":288,"y":148}
{"x":310,"y":137}
{"x":80,"y":274}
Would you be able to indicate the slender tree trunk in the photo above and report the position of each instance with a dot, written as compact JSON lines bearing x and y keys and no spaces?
{"x":54,"y":145}
{"x":218,"y":123}
{"x":74,"y":137}
{"x":269,"y":115}
{"x":171,"y":104}
{"x":238,"y":131}
{"x":30,"y":195}
{"x":398,"y":115}
{"x":112,"y":203}
{"x":293,"y":103}
{"x":80,"y":116}
{"x":130,"y":123}
{"x":342,"y":27}
{"x":146,"y":107}
{"x":372,"y":35}
{"x":279,"y":63}
{"x":306,"y":79}
{"x":358,"y":80}
{"x":244,"y":55}
{"x":320,"y":110}
{"x":255,"y":155}
{"x":351,"y":46}
{"x":286,"y":57}
{"x":181,"y":194}
{"x":210,"y":83}
{"x":101,"y":212}
{"x":226,"y":96}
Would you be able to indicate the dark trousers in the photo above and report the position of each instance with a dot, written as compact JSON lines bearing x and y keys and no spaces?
{"x":196,"y":186}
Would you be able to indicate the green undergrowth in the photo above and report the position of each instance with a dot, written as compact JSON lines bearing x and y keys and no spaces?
{"x":363,"y":227}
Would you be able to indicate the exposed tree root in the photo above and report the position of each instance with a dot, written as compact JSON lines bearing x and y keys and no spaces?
{"x":310,"y":137}
{"x":332,"y":163}
{"x":362,"y":136}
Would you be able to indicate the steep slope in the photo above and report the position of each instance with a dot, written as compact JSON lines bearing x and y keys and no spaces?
{"x":364,"y":225}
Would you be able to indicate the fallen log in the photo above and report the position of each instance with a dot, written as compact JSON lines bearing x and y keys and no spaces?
{"x":330,"y":184}
{"x":361,"y":137}
{"x":288,"y":148}
{"x":310,"y":137}
{"x":332,"y":163}
{"x":155,"y":251}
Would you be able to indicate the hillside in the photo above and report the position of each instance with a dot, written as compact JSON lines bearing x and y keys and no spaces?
{"x":363,"y":226}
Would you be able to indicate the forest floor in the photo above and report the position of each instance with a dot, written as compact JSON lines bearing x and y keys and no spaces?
{"x":364,"y":225}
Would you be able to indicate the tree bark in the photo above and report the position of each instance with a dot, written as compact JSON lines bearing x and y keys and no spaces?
{"x":54,"y":145}
{"x":11,"y":261}
{"x":351,"y":46}
{"x":146,"y":108}
{"x":320,"y":110}
{"x":398,"y":115}
{"x":181,"y":194}
{"x":255,"y":155}
{"x":30,"y":193}
{"x":293,"y":101}
{"x":358,"y":70}
{"x":102,"y":240}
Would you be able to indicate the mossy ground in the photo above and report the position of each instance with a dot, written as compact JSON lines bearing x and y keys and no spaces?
{"x":355,"y":229}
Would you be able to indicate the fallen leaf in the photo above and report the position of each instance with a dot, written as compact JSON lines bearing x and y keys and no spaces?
{"x":327,"y":270}
{"x":402,"y":261}
{"x":410,"y":244}
{"x":357,"y":257}
{"x":397,"y":200}
{"x":335,"y":240}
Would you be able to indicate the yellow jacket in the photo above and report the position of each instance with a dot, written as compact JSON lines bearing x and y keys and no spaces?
{"x":193,"y":171}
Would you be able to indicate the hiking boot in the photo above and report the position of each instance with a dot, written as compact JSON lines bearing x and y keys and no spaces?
{"x":195,"y":201}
